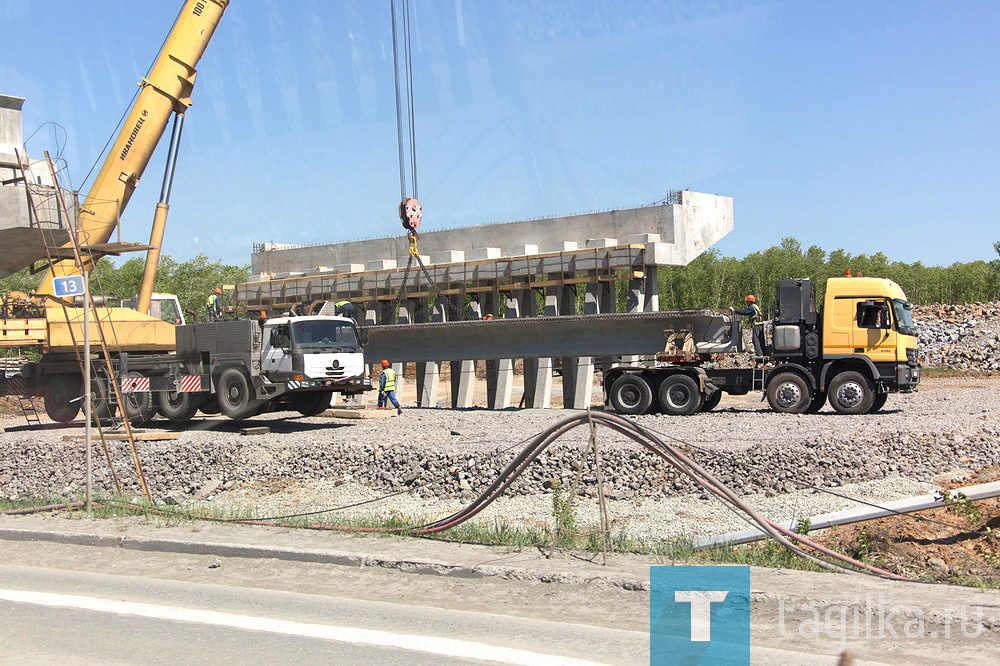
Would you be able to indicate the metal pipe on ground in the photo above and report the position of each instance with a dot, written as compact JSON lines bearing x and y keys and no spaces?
{"x":885,"y":510}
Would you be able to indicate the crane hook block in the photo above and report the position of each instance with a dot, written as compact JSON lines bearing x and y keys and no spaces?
{"x":410,"y":213}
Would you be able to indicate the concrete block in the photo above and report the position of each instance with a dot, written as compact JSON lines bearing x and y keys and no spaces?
{"x":448,"y":257}
{"x":318,"y":270}
{"x":521,"y":250}
{"x":383,"y":265}
{"x":636,"y":239}
{"x":262,"y":277}
{"x":350,"y":268}
{"x":480,"y":253}
{"x":562,"y":246}
{"x":602,"y":242}
{"x":290,"y":274}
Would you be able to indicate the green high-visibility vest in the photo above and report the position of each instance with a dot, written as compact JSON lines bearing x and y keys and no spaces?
{"x":340,"y":304}
{"x":390,"y":379}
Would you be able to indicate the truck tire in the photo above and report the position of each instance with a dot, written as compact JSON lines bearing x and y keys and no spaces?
{"x":209,"y":407}
{"x":679,"y":395}
{"x":850,"y":393}
{"x":236,"y":394}
{"x":313,"y":403}
{"x":138,"y":406}
{"x":103,"y":406}
{"x":59,"y":391}
{"x":711,"y":402}
{"x":789,"y":392}
{"x":630,"y":394}
{"x":178,"y":407}
{"x":878,"y":402}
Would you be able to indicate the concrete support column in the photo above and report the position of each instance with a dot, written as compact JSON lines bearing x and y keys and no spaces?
{"x":463,"y":373}
{"x":429,"y":372}
{"x":499,"y":373}
{"x":577,"y":372}
{"x":600,"y":299}
{"x":537,"y":372}
{"x":635,"y":302}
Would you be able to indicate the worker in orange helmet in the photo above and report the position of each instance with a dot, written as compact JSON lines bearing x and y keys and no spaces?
{"x":755,"y":319}
{"x":387,"y":388}
{"x":214,"y":305}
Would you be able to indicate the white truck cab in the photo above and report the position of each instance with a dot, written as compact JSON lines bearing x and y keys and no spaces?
{"x":313,"y":350}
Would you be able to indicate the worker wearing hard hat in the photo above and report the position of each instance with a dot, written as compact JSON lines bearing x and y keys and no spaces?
{"x":387,"y":388}
{"x":755,"y":319}
{"x":214,"y":305}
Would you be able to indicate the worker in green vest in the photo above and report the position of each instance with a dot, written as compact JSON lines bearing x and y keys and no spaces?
{"x":387,"y":388}
{"x":344,"y":309}
{"x":214,"y":305}
{"x":755,"y":319}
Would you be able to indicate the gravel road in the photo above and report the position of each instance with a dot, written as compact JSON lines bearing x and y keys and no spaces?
{"x":442,"y":456}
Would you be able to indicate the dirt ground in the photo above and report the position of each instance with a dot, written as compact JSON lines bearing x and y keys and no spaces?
{"x":959,"y":543}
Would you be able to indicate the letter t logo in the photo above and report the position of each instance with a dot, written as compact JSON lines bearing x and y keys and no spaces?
{"x":701,"y":610}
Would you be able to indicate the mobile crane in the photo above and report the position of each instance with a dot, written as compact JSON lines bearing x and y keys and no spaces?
{"x":237,"y":367}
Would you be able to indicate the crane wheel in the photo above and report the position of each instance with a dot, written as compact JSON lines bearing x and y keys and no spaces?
{"x":711,"y":402}
{"x":139,"y":406}
{"x":178,"y":407}
{"x":60,"y":390}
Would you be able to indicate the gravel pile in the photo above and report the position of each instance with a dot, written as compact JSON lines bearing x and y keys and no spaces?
{"x":959,"y":337}
{"x":449,"y":454}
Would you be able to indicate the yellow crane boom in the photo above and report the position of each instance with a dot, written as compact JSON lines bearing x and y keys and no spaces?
{"x":167,"y":89}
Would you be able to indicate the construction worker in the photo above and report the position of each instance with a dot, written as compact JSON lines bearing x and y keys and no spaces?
{"x":214,"y":305}
{"x":387,"y":388}
{"x":755,"y":319}
{"x":344,"y":309}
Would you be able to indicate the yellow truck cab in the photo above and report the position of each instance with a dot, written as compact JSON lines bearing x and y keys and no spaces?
{"x":861,"y":346}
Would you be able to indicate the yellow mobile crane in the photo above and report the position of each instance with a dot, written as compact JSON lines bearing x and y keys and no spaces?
{"x":57,"y":326}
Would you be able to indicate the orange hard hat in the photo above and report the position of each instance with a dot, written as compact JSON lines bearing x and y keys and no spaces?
{"x":751,"y":299}
{"x":385,"y":363}
{"x":218,"y":291}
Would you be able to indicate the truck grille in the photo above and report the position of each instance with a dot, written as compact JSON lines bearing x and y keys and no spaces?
{"x":334,"y":371}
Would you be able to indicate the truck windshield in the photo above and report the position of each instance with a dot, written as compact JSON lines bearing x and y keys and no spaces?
{"x":904,"y":321}
{"x":323,"y":333}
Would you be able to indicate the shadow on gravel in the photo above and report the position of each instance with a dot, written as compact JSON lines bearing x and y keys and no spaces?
{"x":279,"y":425}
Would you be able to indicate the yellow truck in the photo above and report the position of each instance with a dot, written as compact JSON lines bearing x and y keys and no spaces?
{"x":853,"y":352}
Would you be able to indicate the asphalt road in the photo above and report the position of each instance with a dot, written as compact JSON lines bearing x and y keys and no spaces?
{"x":79,"y":617}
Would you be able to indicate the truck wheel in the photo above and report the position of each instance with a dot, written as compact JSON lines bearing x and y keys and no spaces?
{"x":236,"y":394}
{"x":311,"y":404}
{"x":850,"y":393}
{"x":630,"y":394}
{"x":139,"y":406}
{"x":59,"y":391}
{"x":679,"y":395}
{"x":878,"y":402}
{"x":103,"y":407}
{"x":178,"y":407}
{"x":819,"y":399}
{"x":789,"y":393}
{"x":711,"y":402}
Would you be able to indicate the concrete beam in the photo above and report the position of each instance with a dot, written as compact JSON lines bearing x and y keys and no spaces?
{"x":687,"y":227}
{"x":542,"y":337}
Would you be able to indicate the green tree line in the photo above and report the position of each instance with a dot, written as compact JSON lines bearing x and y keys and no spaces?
{"x":192,"y":280}
{"x":713,"y":280}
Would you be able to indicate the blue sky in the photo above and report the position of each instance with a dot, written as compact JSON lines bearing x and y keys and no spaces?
{"x":857,"y":125}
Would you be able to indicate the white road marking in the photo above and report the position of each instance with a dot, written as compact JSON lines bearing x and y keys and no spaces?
{"x":448,"y":647}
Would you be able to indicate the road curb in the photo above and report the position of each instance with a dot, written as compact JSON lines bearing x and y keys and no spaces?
{"x":415,"y":566}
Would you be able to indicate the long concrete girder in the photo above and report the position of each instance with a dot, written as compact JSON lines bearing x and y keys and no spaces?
{"x":687,"y":224}
{"x":545,"y":337}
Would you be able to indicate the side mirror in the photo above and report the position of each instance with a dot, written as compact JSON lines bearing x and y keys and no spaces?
{"x":364,"y":336}
{"x":274,"y":337}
